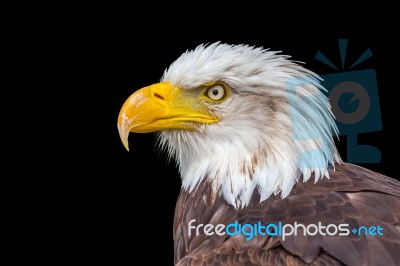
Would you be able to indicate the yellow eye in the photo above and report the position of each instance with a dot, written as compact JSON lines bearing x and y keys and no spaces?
{"x":216,"y":92}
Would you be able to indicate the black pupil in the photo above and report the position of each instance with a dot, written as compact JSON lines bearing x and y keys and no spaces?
{"x":215,"y":92}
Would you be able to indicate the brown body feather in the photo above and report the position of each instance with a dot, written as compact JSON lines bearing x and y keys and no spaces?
{"x":352,"y":195}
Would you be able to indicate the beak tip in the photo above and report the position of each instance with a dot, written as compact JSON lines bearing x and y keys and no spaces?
{"x":123,"y":134}
{"x":126,"y":146}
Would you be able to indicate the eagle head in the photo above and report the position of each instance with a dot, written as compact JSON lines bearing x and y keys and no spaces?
{"x":243,"y":118}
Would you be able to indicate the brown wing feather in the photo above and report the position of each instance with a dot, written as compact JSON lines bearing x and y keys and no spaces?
{"x":352,"y":195}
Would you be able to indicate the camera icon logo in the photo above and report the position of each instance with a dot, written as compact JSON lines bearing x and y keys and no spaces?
{"x":355,"y":103}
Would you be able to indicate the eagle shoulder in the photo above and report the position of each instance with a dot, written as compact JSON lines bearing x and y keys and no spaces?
{"x":353,"y":195}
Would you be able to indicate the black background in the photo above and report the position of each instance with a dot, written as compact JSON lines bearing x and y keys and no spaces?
{"x":130,"y":196}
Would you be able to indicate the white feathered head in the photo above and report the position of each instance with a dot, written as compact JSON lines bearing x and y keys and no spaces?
{"x":240,"y":117}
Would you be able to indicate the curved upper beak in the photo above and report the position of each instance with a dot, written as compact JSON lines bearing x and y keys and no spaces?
{"x":158,"y":107}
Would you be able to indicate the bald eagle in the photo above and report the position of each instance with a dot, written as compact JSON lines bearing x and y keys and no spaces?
{"x":253,"y":137}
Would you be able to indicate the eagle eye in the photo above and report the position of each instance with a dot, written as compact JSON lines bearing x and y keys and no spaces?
{"x":217,"y":92}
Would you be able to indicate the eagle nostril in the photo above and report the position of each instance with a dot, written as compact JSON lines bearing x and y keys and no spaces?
{"x":159,"y":96}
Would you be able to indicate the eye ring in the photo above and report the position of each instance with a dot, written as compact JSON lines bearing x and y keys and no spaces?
{"x":216,"y":92}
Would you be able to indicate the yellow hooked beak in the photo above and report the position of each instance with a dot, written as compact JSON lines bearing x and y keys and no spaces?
{"x":161,"y":106}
